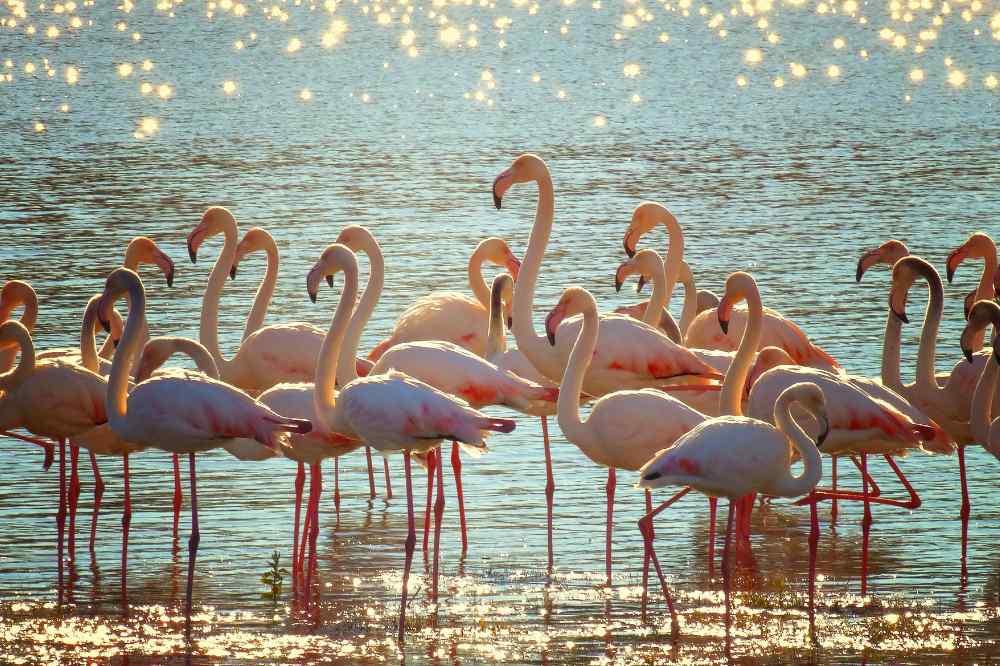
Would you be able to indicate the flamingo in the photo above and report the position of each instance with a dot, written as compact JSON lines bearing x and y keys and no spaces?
{"x":180,"y":414}
{"x":452,"y":316}
{"x":292,"y":348}
{"x":629,"y":353}
{"x":977,"y":246}
{"x":653,"y":311}
{"x":17,"y":293}
{"x":735,"y":457}
{"x":985,"y":428}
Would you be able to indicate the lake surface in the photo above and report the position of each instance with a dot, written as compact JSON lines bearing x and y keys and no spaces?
{"x":401,"y":126}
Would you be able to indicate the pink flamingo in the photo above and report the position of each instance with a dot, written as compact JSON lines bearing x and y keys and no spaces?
{"x":452,"y":316}
{"x":985,"y":428}
{"x":179,"y":414}
{"x":653,"y":311}
{"x":735,"y":457}
{"x":977,"y":246}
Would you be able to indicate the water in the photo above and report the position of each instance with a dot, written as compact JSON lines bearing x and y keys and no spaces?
{"x":789,"y":183}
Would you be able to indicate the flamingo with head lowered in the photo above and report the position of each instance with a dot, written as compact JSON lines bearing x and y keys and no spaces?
{"x":180,"y":414}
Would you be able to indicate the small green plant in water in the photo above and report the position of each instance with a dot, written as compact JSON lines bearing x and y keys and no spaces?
{"x":275,"y":577}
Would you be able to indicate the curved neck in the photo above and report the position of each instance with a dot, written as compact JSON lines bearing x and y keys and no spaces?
{"x":198,"y":354}
{"x":891,"y":375}
{"x":690,"y":310}
{"x":985,"y":291}
{"x":88,"y":340}
{"x":346,"y":370}
{"x":733,"y":385}
{"x":476,"y":281}
{"x":536,"y":348}
{"x":324,"y":395}
{"x":659,"y":298}
{"x":129,"y":347}
{"x":12,"y":378}
{"x":675,"y":254}
{"x":792,"y":486}
{"x":568,"y":403}
{"x":495,"y":336}
{"x":264,"y":292}
{"x":926,"y":379}
{"x":209,"y":328}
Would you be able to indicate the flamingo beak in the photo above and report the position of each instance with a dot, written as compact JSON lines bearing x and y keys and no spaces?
{"x":897,"y":304}
{"x":629,"y":243}
{"x":553,"y":320}
{"x":232,"y":272}
{"x":824,"y":432}
{"x":312,"y":280}
{"x":867,"y":260}
{"x":723,"y":312}
{"x":640,"y":284}
{"x":329,"y":280}
{"x":955,"y":258}
{"x":513,"y":265}
{"x":501,"y":184}
{"x":510,"y":323}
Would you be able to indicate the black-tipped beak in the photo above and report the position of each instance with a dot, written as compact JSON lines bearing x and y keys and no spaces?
{"x":105,"y":324}
{"x":192,"y":254}
{"x":496,"y":198}
{"x":900,"y":315}
{"x":630,"y":251}
{"x":312,"y":296}
{"x":860,"y":272}
{"x":950,"y":272}
{"x":618,"y":285}
{"x":114,"y":342}
{"x":652,"y":476}
{"x":170,"y":278}
{"x":724,"y":325}
{"x":968,"y":353}
{"x":824,"y":433}
{"x":640,"y":284}
{"x":551,"y":335}
{"x":510,"y":323}
{"x":232,"y":273}
{"x":329,"y":280}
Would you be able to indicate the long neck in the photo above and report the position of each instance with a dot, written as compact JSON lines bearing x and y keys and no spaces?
{"x":568,"y":404}
{"x":926,"y":379}
{"x":11,"y":379}
{"x":690,"y":310}
{"x":674,"y":256}
{"x":30,"y":315}
{"x":731,"y":397}
{"x":347,"y":370}
{"x":324,"y":396}
{"x":985,"y":290}
{"x":495,"y":336}
{"x":891,"y":376}
{"x":88,"y":341}
{"x":535,"y":348}
{"x":792,"y":486}
{"x":476,"y":282}
{"x":982,"y":400}
{"x":658,"y":299}
{"x":128,"y":349}
{"x":198,"y":354}
{"x":209,"y":329}
{"x":264,"y":292}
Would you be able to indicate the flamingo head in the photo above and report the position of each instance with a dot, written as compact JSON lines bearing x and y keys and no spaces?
{"x":502,"y":295}
{"x":497,"y":252}
{"x":767,"y":358}
{"x":254,"y":240}
{"x":119,"y":282}
{"x":215,"y":220}
{"x":335,"y":258}
{"x":645,"y":217}
{"x":154,"y":355}
{"x":116,"y":322}
{"x":977,"y":246}
{"x":144,"y":250}
{"x":887,"y":253}
{"x":12,"y":333}
{"x":15,"y":293}
{"x":358,"y":239}
{"x":525,"y":168}
{"x":646,"y":263}
{"x":810,"y":396}
{"x":981,"y":315}
{"x":574,"y":300}
{"x":904,"y":273}
{"x":738,"y":285}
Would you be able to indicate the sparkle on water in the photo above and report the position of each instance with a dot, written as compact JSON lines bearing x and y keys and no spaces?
{"x":787,"y":136}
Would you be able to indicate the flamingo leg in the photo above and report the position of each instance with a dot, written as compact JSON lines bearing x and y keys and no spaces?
{"x":192,"y":547}
{"x":178,"y":494}
{"x":48,"y":446}
{"x":306,"y":526}
{"x":126,"y":523}
{"x":866,"y":523}
{"x":713,"y":503}
{"x":336,"y":482}
{"x":411,"y":541}
{"x":645,"y":554}
{"x":813,"y":543}
{"x":431,"y":461}
{"x":388,"y":481}
{"x":74,"y":497}
{"x":61,"y":513}
{"x":550,"y":486}
{"x":456,"y":466}
{"x":913,"y":502}
{"x":833,"y":502}
{"x":98,"y":495}
{"x":316,"y":481}
{"x":438,"y":515}
{"x":966,"y":504}
{"x":726,"y":574}
{"x":646,"y":528}
{"x":371,"y":474}
{"x":300,"y":479}
{"x":610,"y":491}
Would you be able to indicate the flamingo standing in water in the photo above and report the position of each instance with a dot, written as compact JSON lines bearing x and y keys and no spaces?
{"x":180,"y":414}
{"x":985,"y":428}
{"x":735,"y":457}
{"x":452,"y":316}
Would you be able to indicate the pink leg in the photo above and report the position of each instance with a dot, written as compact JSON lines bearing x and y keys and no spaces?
{"x":47,"y":445}
{"x":713,"y":504}
{"x":61,"y":513}
{"x":438,"y":515}
{"x":316,"y":481}
{"x":813,"y":542}
{"x":610,"y":491}
{"x":192,"y":548}
{"x":126,"y":523}
{"x":645,"y":555}
{"x":726,"y":575}
{"x":866,"y":523}
{"x":388,"y":481}
{"x":456,"y":466}
{"x":646,"y":528}
{"x":966,"y":504}
{"x":336,"y":482}
{"x":371,"y":473}
{"x":833,"y":504}
{"x":431,"y":461}
{"x":74,"y":497}
{"x":306,"y":526}
{"x":411,"y":541}
{"x":550,"y":486}
{"x":178,"y":495}
{"x":300,"y":481}
{"x":98,"y":495}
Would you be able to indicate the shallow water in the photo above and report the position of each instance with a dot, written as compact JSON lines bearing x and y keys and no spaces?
{"x":789,"y":183}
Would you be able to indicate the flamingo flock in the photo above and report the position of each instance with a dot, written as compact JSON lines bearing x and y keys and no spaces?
{"x":725,"y":402}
